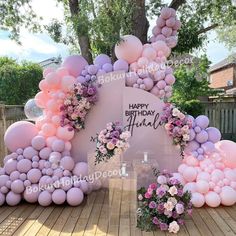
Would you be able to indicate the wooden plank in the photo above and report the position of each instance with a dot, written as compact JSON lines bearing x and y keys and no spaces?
{"x":231,"y":211}
{"x":35,"y":227}
{"x":58,"y":226}
{"x":213,"y":227}
{"x":6,"y":213}
{"x":220,"y":222}
{"x":29,"y":221}
{"x":45,"y":229}
{"x":183,"y":231}
{"x":191,"y":228}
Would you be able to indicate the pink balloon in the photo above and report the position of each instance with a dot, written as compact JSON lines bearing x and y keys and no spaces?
{"x":74,"y":64}
{"x":53,"y":80}
{"x":24,"y":165}
{"x":67,"y":163}
{"x":161,"y":84}
{"x":181,"y":168}
{"x":170,"y":22}
{"x":129,"y":48}
{"x":149,"y":53}
{"x":189,"y":174}
{"x":159,"y":75}
{"x":204,"y":176}
{"x":227,"y":150}
{"x":31,"y":193}
{"x":197,"y":199}
{"x":81,"y":169}
{"x":148,"y":82}
{"x":230,"y":175}
{"x":17,"y":186}
{"x":191,"y":161}
{"x":171,"y":41}
{"x":34,"y":175}
{"x":74,"y":196}
{"x":160,"y":22}
{"x":59,"y":196}
{"x":45,"y":153}
{"x":191,"y":187}
{"x":142,"y":62}
{"x":43,"y":85}
{"x":13,"y":199}
{"x":156,"y":30}
{"x":202,"y":186}
{"x":45,"y":198}
{"x":64,"y":134}
{"x":67,"y":83}
{"x":165,"y":13}
{"x":177,"y":25}
{"x":66,"y":183}
{"x":212,"y":199}
{"x":10,"y":166}
{"x":29,"y":152}
{"x":48,"y":129}
{"x":41,"y":99}
{"x":38,"y":142}
{"x":166,"y":31}
{"x":161,"y":46}
{"x":62,"y":71}
{"x":19,"y":135}
{"x":218,"y":173}
{"x":58,"y":146}
{"x":170,"y":79}
{"x":50,"y":140}
{"x":228,"y":196}
{"x":68,"y":146}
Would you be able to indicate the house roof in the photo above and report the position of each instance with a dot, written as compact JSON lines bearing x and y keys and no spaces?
{"x":230,"y":60}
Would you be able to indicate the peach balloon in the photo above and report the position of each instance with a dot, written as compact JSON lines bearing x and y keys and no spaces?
{"x":190,"y":174}
{"x":149,"y":53}
{"x":67,"y":83}
{"x":53,"y":80}
{"x":212,"y":199}
{"x":202,"y":186}
{"x":129,"y":48}
{"x":41,"y":99}
{"x":43,"y":85}
{"x":65,"y":134}
{"x":62,"y":71}
{"x":48,"y":129}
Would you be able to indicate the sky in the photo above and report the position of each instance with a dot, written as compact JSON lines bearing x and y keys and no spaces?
{"x":39,"y":47}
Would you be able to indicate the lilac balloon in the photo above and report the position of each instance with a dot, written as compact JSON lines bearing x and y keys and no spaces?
{"x":81,"y":79}
{"x":14,"y":175}
{"x":214,"y":134}
{"x":121,"y":64}
{"x":200,"y":150}
{"x":38,"y":142}
{"x":27,"y":183}
{"x":4,"y":190}
{"x":202,"y":121}
{"x":2,"y":199}
{"x":24,"y":165}
{"x":81,"y":169}
{"x":67,"y":163}
{"x":19,"y":151}
{"x":148,"y":82}
{"x":17,"y":186}
{"x":29,"y":152}
{"x":3,"y":180}
{"x":102,"y":59}
{"x":75,"y":64}
{"x":197,"y":129}
{"x":107,"y":67}
{"x":58,"y":146}
{"x":34,"y":175}
{"x":84,"y":186}
{"x":191,"y":134}
{"x":92,"y":69}
{"x":31,"y":194}
{"x":45,"y":153}
{"x":2,"y":171}
{"x":59,"y":196}
{"x":10,"y":166}
{"x":202,"y":137}
{"x":74,"y":196}
{"x":66,"y":183}
{"x":208,"y":147}
{"x":8,"y":184}
{"x":192,"y":146}
{"x":23,"y":176}
{"x":45,"y":198}
{"x":13,"y":199}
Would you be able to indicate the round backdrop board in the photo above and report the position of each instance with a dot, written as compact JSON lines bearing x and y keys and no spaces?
{"x":140,"y":112}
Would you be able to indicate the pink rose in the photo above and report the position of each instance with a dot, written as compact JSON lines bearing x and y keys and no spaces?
{"x":147,"y":195}
{"x":110,"y":146}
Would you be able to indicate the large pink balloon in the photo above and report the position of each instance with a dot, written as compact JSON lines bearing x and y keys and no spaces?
{"x":228,"y":196}
{"x":74,"y":64}
{"x":227,"y":150}
{"x":19,"y":135}
{"x":74,"y":196}
{"x":59,"y":196}
{"x":212,"y":199}
{"x":197,"y":199}
{"x":129,"y":48}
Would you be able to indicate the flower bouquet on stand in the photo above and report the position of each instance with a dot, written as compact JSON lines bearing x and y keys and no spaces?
{"x":163,"y":205}
{"x":111,"y":141}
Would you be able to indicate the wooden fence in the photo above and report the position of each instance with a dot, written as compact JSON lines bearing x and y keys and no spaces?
{"x":222,"y":115}
{"x":8,"y":115}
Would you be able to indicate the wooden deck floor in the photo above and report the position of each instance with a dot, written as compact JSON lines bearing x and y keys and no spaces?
{"x":91,"y":219}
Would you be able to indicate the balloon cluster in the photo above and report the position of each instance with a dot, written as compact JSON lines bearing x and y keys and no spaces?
{"x":213,"y":180}
{"x":147,"y":63}
{"x":166,"y":27}
{"x":202,"y":138}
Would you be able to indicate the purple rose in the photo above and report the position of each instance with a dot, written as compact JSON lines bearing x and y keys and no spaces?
{"x":175,"y":215}
{"x":179,"y":208}
{"x":160,"y":207}
{"x":180,"y":221}
{"x":155,"y":221}
{"x":160,"y":192}
{"x":163,"y":226}
{"x":152,"y":205}
{"x":180,"y":192}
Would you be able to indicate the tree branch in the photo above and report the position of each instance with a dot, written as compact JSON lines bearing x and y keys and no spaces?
{"x":208,"y":28}
{"x":176,"y":4}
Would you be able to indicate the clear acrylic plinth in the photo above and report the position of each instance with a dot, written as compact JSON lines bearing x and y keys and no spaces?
{"x":123,"y":200}
{"x":144,"y":170}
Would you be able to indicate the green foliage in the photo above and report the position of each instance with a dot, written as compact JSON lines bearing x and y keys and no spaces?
{"x":191,"y":83}
{"x":18,"y":82}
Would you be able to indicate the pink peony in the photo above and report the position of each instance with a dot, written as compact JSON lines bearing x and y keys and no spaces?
{"x":110,"y":146}
{"x":147,"y":195}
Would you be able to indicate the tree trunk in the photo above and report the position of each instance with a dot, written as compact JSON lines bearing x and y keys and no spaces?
{"x":140,"y":23}
{"x":83,"y":39}
{"x":176,"y":4}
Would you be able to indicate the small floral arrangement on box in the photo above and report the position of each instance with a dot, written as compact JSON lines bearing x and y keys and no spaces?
{"x":163,"y":205}
{"x":77,"y":104}
{"x":177,"y":125}
{"x":111,"y":141}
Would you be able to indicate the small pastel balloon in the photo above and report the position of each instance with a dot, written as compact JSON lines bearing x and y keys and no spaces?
{"x":197,"y":129}
{"x":24,"y":165}
{"x":208,"y":147}
{"x":159,"y":75}
{"x":66,"y":183}
{"x":59,"y":196}
{"x":31,"y":194}
{"x":192,"y":146}
{"x":107,"y":67}
{"x":149,"y":53}
{"x":202,"y":186}
{"x":204,"y":176}
{"x":53,"y":80}
{"x":48,"y":129}
{"x":181,"y":168}
{"x":102,"y":59}
{"x":131,"y":79}
{"x":13,"y":199}
{"x":230,"y":175}
{"x":29,"y":152}
{"x":161,"y":84}
{"x":166,"y":31}
{"x":45,"y":153}
{"x":228,"y":196}
{"x":41,"y":99}
{"x":197,"y":200}
{"x":214,"y":134}
{"x":202,"y":137}
{"x":160,"y":22}
{"x":92,"y":69}
{"x":212,"y":199}
{"x":50,"y":140}
{"x":38,"y":142}
{"x":191,"y":187}
{"x":67,"y":83}
{"x":64,"y":133}
{"x":165,"y":13}
{"x":67,"y":163}
{"x":58,"y":146}
{"x":10,"y":166}
{"x":17,"y":186}
{"x":218,"y":173}
{"x":34,"y":175}
{"x":155,"y":91}
{"x":170,"y":79}
{"x":202,"y":121}
{"x":47,"y":70}
{"x":121,"y":65}
{"x":74,"y":197}
{"x":172,"y":41}
{"x":177,"y":25}
{"x":45,"y":198}
{"x":148,"y":82}
{"x":189,"y":174}
{"x":68,"y":146}
{"x":170,"y":22}
{"x":62,"y":71}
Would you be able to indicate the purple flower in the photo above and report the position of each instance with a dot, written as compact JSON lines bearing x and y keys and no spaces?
{"x":114,"y":140}
{"x":180,"y":221}
{"x":160,"y":207}
{"x":163,"y":226}
{"x":174,"y":181}
{"x":160,"y":192}
{"x":175,"y":214}
{"x":180,"y":192}
{"x":155,"y":221}
{"x":152,"y":205}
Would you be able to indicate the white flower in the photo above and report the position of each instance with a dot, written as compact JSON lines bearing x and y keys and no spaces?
{"x":117,"y":151}
{"x":173,"y":227}
{"x":175,"y":112}
{"x":125,"y":135}
{"x":186,"y":137}
{"x":173,"y":190}
{"x":120,"y":144}
{"x":169,"y":206}
{"x":140,"y":197}
{"x":173,"y":200}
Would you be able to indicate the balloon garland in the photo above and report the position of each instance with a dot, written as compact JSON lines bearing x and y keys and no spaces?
{"x":40,"y":168}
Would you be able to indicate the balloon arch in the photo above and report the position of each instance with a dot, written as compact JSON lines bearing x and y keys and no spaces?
{"x":40,"y":152}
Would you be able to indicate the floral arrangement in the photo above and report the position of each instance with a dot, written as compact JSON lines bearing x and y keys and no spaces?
{"x":77,"y":104}
{"x":163,"y":205}
{"x":177,"y":124}
{"x":111,"y":141}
